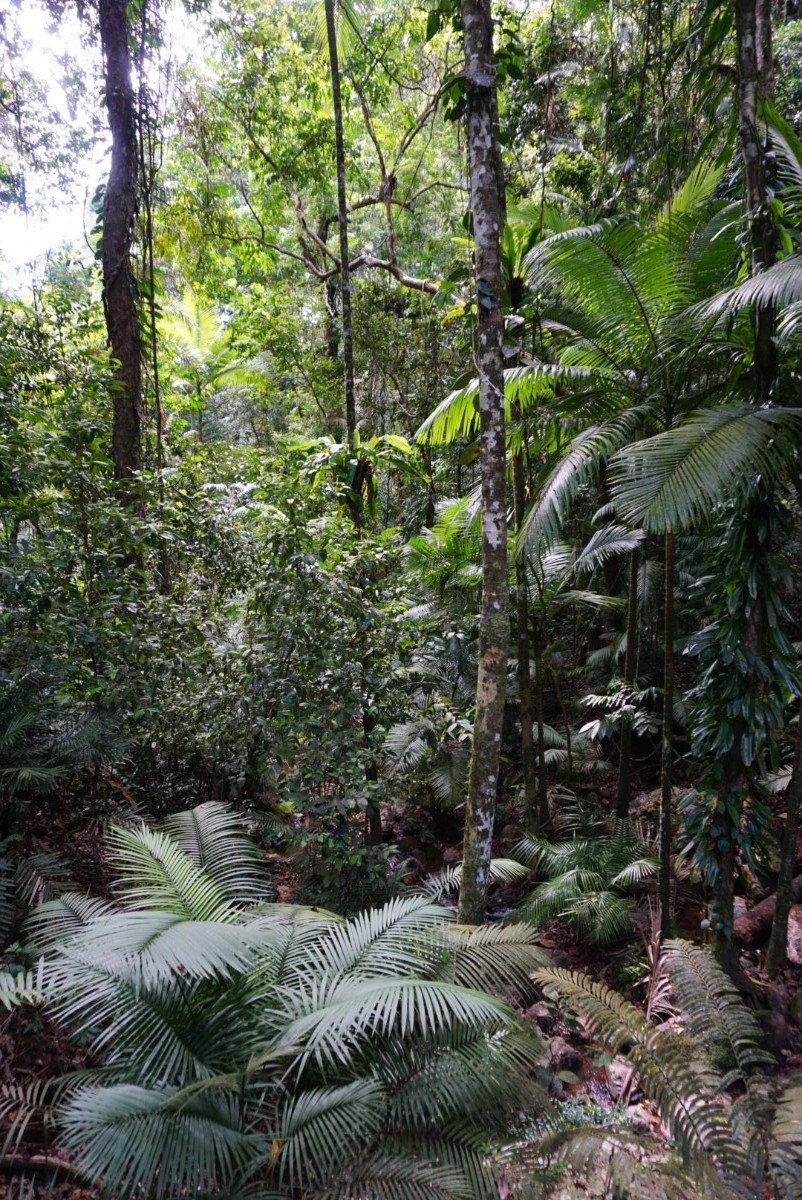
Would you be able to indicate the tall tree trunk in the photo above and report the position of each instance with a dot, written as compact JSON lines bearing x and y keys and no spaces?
{"x":342,"y":218}
{"x":119,"y":210}
{"x":667,"y":740}
{"x":486,"y":204}
{"x":777,"y":952}
{"x":630,"y":659}
{"x":753,"y":53}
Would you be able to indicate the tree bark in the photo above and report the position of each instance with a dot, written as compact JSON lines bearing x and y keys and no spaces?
{"x":119,"y":210}
{"x":777,"y":953}
{"x":342,"y":219}
{"x":486,"y":203}
{"x":755,"y":81}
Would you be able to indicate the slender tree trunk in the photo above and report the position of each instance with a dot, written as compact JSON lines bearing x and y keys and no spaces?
{"x":119,"y":210}
{"x":486,"y":203}
{"x":756,"y":81}
{"x":667,"y":740}
{"x":777,"y":952}
{"x":525,"y":690}
{"x":342,"y":218}
{"x":373,"y":814}
{"x":630,"y":659}
{"x":543,"y":814}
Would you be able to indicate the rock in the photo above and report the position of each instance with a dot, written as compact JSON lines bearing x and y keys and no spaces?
{"x":795,"y":934}
{"x":618,"y":1074}
{"x":452,"y":854}
{"x":543,"y":1016}
{"x":411,"y":869}
{"x":752,"y":928}
{"x":776,"y":1028}
{"x":795,"y":1009}
{"x":510,"y":834}
{"x":639,"y":1119}
{"x":562,"y":1056}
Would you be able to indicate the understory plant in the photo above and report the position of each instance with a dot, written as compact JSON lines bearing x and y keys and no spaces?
{"x":252,"y":1048}
{"x":590,"y":883}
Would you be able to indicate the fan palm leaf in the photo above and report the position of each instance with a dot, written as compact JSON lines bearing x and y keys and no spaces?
{"x":280,"y":1051}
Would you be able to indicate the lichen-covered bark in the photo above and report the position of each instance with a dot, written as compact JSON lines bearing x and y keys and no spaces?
{"x":119,"y":210}
{"x":486,"y":205}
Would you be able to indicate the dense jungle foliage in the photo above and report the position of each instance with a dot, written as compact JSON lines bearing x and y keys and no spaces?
{"x":400,"y":557}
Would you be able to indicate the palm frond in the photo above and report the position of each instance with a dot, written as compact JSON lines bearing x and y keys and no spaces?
{"x":779,"y":285}
{"x":458,"y":414}
{"x":155,"y":873}
{"x":493,"y":958}
{"x":214,"y":837}
{"x":139,"y":1140}
{"x":544,"y":518}
{"x":389,"y":941}
{"x":501,"y":870}
{"x":22,"y":987}
{"x":322,"y":1128}
{"x":672,"y":480}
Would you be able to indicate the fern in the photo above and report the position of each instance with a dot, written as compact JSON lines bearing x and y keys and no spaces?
{"x":686,"y":1093}
{"x":710,"y":1000}
{"x":786,"y":1152}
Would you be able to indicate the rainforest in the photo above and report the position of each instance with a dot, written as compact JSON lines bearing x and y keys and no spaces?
{"x":400,"y":600}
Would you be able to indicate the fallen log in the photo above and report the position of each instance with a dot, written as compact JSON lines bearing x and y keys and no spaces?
{"x":753,"y":927}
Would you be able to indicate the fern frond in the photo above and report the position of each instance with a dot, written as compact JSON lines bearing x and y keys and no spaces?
{"x":685,"y":1093}
{"x":707,"y":995}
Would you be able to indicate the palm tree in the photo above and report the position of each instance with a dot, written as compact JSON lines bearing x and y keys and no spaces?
{"x":245,"y":1045}
{"x":620,"y":300}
